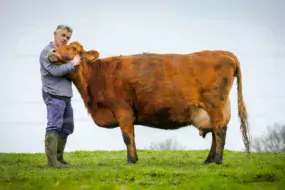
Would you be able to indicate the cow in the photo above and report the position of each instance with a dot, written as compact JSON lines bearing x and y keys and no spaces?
{"x":164,"y":91}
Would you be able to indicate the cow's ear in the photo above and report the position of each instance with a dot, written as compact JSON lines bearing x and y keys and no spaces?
{"x":91,"y":55}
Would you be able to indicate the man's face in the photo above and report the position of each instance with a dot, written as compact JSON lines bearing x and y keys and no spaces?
{"x":61,"y":37}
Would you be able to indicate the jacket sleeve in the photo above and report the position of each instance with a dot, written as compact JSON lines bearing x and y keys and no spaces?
{"x":55,"y":70}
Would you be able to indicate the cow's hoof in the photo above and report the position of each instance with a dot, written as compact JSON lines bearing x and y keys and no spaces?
{"x":218,"y":161}
{"x":208,"y":161}
{"x":132,"y":160}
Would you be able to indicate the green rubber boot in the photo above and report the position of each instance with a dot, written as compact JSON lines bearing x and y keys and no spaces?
{"x":51,"y":140}
{"x":60,"y":149}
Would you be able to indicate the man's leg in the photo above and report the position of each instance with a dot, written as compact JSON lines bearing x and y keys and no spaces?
{"x":67,"y":129}
{"x":55,"y":110}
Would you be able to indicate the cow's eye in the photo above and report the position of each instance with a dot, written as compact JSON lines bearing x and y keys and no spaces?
{"x":74,"y":48}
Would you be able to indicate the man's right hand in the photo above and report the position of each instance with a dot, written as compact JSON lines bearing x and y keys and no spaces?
{"x":76,"y":60}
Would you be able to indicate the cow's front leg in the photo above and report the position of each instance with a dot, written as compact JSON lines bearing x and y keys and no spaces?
{"x":126,"y":122}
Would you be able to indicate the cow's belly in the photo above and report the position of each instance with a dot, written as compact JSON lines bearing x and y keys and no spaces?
{"x":164,"y":117}
{"x":105,"y":118}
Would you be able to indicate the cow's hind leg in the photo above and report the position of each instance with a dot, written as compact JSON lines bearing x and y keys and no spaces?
{"x":202,"y":121}
{"x":125,"y":119}
{"x":212,"y":153}
{"x":219,"y":134}
{"x":221,"y":119}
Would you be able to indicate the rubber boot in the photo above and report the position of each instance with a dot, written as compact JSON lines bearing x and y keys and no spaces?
{"x":60,"y":149}
{"x":51,"y":140}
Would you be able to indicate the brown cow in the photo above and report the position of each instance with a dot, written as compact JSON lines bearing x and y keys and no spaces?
{"x":165,"y":91}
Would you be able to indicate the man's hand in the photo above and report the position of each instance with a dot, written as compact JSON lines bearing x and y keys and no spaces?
{"x":76,"y":60}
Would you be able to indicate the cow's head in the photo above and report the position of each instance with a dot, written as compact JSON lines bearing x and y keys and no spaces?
{"x":64,"y":54}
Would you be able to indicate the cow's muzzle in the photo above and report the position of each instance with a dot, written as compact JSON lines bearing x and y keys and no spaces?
{"x":53,"y":56}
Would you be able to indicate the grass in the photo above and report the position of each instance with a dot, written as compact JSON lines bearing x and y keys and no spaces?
{"x":155,"y":170}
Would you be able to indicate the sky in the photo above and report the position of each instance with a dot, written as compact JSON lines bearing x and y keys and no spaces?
{"x":253,"y":30}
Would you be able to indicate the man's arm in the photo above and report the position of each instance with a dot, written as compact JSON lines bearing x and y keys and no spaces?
{"x":55,"y":70}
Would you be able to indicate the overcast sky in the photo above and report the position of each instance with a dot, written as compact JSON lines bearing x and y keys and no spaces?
{"x":253,"y":30}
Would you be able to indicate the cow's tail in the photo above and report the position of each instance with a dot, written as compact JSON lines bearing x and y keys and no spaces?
{"x":244,"y":127}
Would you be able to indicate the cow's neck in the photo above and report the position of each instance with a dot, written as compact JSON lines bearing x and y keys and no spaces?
{"x":81,"y":86}
{"x":78,"y":78}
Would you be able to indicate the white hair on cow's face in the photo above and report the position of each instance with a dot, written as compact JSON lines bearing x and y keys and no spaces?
{"x":62,"y":26}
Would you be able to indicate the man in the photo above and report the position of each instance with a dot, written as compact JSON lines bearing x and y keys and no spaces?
{"x":57,"y":94}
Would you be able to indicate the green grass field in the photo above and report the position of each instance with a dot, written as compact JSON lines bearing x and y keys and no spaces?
{"x":155,"y":170}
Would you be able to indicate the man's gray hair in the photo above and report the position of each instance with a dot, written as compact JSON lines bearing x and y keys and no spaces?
{"x":62,"y":26}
